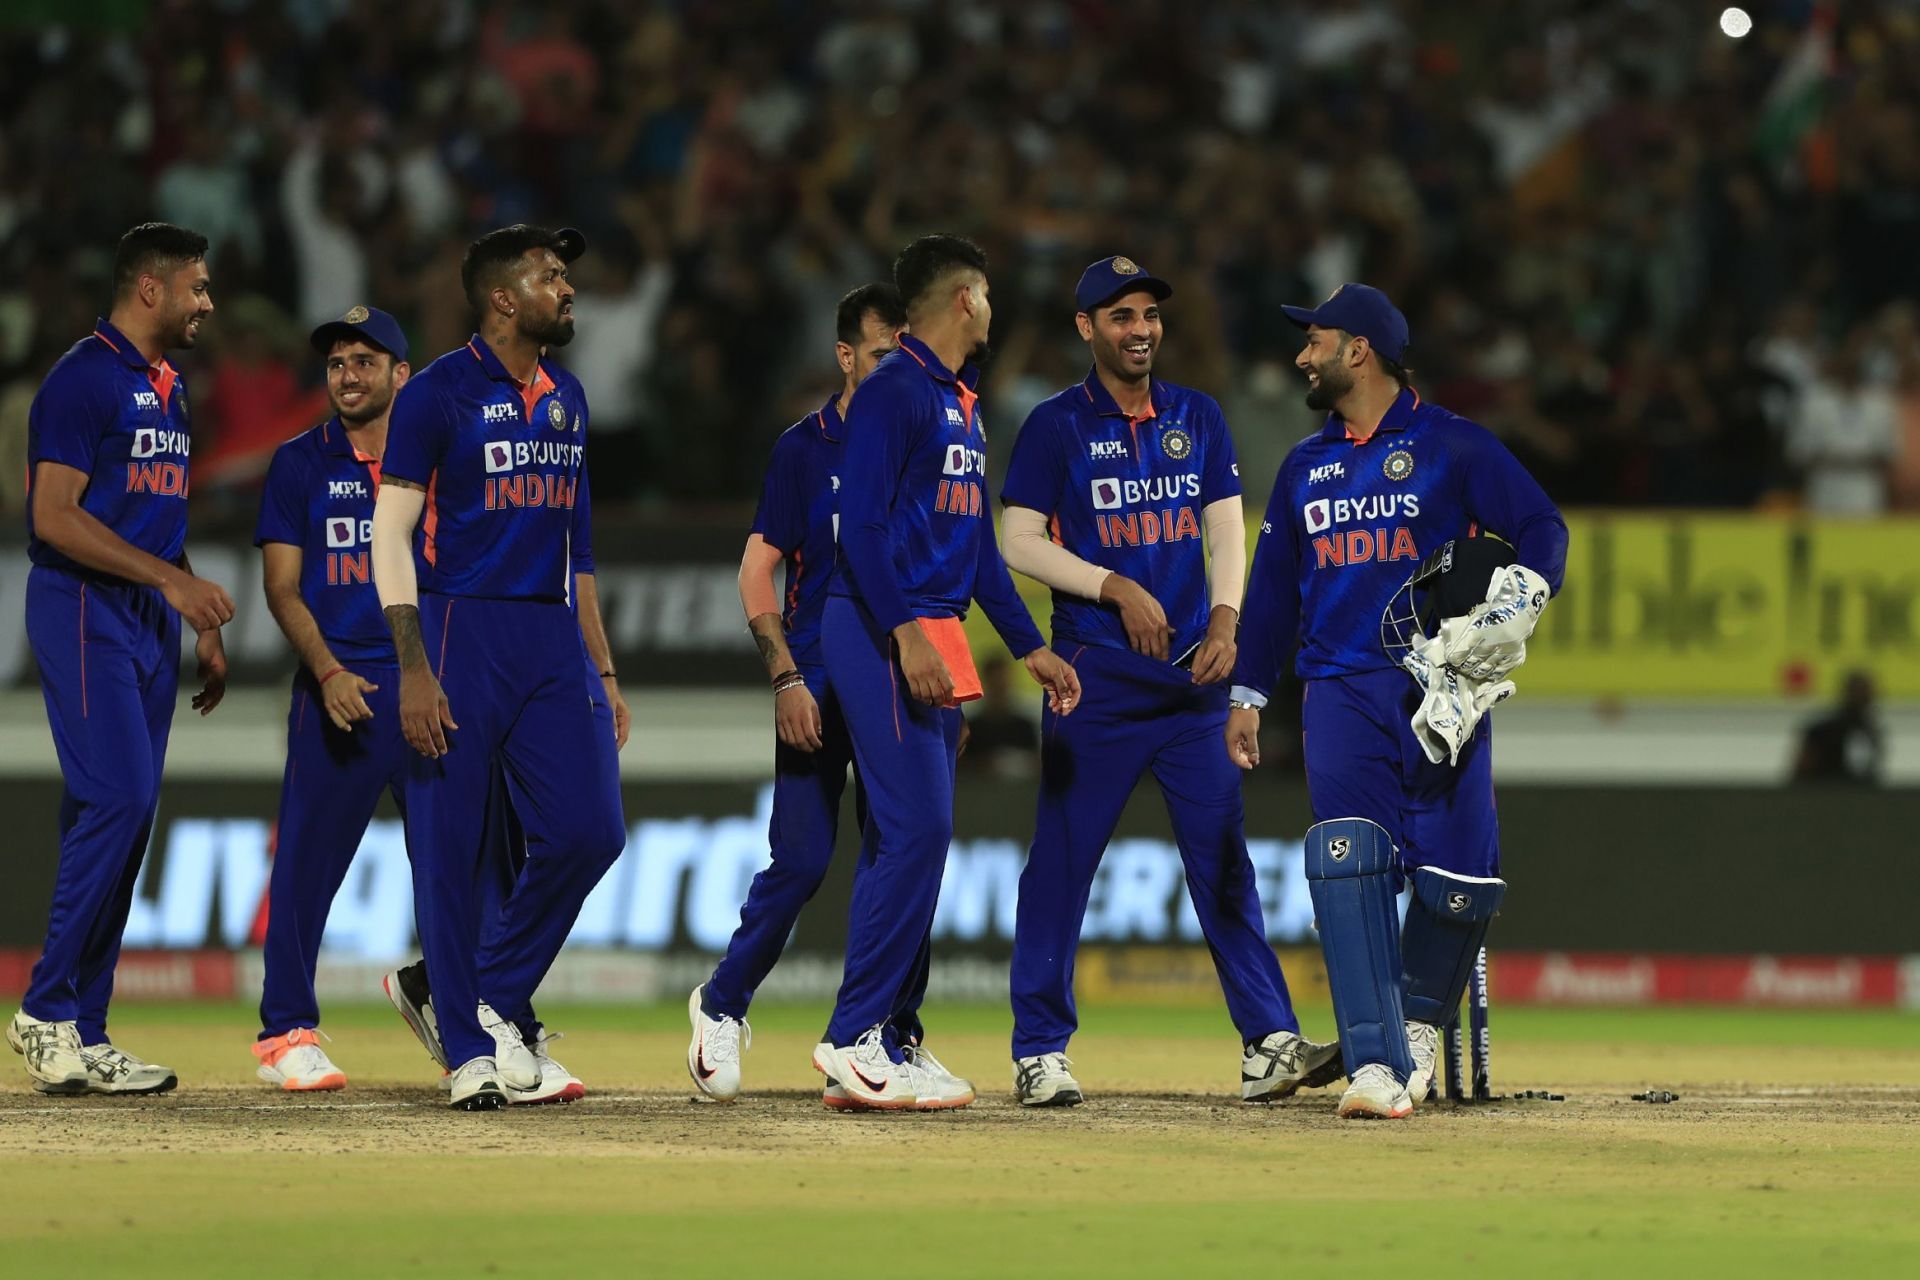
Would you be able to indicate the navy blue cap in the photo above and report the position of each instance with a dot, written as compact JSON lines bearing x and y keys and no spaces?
{"x":1108,"y":278}
{"x":1362,"y":310}
{"x":366,"y":323}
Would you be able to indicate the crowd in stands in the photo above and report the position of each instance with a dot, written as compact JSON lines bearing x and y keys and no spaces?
{"x":1669,"y":267}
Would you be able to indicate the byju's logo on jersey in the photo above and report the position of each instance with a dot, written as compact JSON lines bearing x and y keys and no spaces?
{"x":150,"y":442}
{"x":1102,"y":449}
{"x":962,"y":461}
{"x":499,"y":454}
{"x":498,"y":413}
{"x":1106,"y":495}
{"x":1326,"y":472}
{"x":1319,"y":514}
{"x":346,"y":489}
{"x":345,"y":531}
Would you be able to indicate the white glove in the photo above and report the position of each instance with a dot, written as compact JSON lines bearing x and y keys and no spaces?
{"x":1491,"y":640}
{"x":1444,"y":721}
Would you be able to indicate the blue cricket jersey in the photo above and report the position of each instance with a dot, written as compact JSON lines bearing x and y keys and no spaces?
{"x":797,"y":515}
{"x":105,"y":411}
{"x":1350,"y":520}
{"x":503,"y":464}
{"x":916,"y":529}
{"x":1127,"y":494}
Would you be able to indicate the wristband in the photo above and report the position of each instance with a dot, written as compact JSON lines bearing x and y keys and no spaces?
{"x":608,"y":675}
{"x":788,"y":674}
{"x":1238,"y":705}
{"x":796,"y":681}
{"x":330,"y":675}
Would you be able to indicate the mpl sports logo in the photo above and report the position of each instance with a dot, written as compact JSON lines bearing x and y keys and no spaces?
{"x":1100,"y":450}
{"x":499,"y":413}
{"x":1326,"y":472}
{"x":347,"y":489}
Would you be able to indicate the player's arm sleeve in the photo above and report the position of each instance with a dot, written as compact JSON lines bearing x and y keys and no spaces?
{"x":1030,"y":550}
{"x":580,"y":532}
{"x":283,"y":514}
{"x":1226,"y":523}
{"x":1504,"y":499}
{"x":1270,"y":618}
{"x":68,"y":419}
{"x":994,"y":591}
{"x":879,"y":431}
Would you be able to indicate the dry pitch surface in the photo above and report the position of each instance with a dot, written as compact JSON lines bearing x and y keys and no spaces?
{"x":1794,"y":1149}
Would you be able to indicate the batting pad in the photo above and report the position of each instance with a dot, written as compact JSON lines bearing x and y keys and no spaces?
{"x":1447,"y":920}
{"x":1350,"y":873}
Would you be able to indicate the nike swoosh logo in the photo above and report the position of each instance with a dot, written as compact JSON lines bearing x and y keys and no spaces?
{"x":700,"y":1066}
{"x":878,"y":1086}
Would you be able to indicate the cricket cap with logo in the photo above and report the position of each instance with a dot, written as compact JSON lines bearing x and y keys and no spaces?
{"x":1362,"y":310}
{"x":370,"y":324}
{"x":1108,"y":278}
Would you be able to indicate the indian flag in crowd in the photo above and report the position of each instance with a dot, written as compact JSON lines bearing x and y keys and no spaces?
{"x":1788,"y":129}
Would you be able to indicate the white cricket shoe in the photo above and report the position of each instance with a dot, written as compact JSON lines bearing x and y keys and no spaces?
{"x":515,"y":1063}
{"x":407,"y":990}
{"x":111,"y":1070}
{"x":1044,"y":1081}
{"x":476,"y":1087}
{"x":52,"y":1051}
{"x":1276,"y":1066}
{"x":869,"y":1074}
{"x":939,"y":1089}
{"x":1423,"y":1038}
{"x":557,"y":1084}
{"x":833,"y":1095}
{"x":713,"y":1055}
{"x":296,"y":1062}
{"x":1375,"y":1093}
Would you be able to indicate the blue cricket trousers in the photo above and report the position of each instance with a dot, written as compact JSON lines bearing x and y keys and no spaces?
{"x":332,"y":784}
{"x":1137,"y":715}
{"x":513,"y":678}
{"x":109,"y":655}
{"x":905,"y":751}
{"x":1364,"y":762}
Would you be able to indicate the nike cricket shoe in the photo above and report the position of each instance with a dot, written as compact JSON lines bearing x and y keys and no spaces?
{"x":713,"y":1055}
{"x":476,"y":1087}
{"x":939,"y":1089}
{"x":296,"y":1062}
{"x":557,"y":1084}
{"x":407,"y":989}
{"x":1375,"y":1093}
{"x":1044,"y":1081}
{"x":111,"y":1070}
{"x":1277,"y":1065}
{"x":517,"y":1066}
{"x":52,"y":1051}
{"x":1423,"y":1038}
{"x":869,"y":1074}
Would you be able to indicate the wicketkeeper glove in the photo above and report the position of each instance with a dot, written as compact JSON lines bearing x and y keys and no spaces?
{"x":1444,"y":721}
{"x":1491,"y":640}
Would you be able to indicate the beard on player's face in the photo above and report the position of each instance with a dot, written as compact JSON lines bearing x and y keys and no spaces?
{"x":547,"y":321}
{"x":1328,"y":381}
{"x":374,"y":400}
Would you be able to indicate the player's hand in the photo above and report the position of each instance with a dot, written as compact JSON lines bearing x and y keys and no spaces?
{"x":622,"y":717}
{"x":928,"y":679}
{"x":1141,"y":614}
{"x":344,"y":699}
{"x":201,"y":604}
{"x":425,"y":716}
{"x":210,"y":655}
{"x":1243,"y":737}
{"x":796,"y":718}
{"x":1214,"y":662}
{"x":1057,"y":676}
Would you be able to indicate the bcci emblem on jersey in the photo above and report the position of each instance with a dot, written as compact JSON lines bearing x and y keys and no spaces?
{"x":1399,"y":465}
{"x":556,"y":415}
{"x":1176,"y":444}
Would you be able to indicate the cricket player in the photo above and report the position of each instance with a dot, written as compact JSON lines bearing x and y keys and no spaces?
{"x":1355,"y":508}
{"x":1112,"y":487}
{"x":107,"y":453}
{"x":794,"y":527}
{"x":916,"y":548}
{"x":488,"y":445}
{"x":344,"y":747}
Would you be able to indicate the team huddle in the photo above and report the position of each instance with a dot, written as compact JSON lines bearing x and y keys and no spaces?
{"x":427,"y":552}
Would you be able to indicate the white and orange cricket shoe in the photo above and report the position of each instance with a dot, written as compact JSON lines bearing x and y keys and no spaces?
{"x":940,"y":1089}
{"x":836,"y":1097}
{"x":1375,"y":1093}
{"x":868,"y":1072}
{"x":296,"y":1062}
{"x":557,"y":1084}
{"x":713,"y":1055}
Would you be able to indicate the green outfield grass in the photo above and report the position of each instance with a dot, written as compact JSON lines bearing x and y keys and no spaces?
{"x":1793,"y":1150}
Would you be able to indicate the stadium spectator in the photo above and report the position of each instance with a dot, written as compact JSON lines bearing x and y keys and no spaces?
{"x":1848,"y":744}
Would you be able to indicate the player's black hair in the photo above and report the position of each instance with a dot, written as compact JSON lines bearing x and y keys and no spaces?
{"x":1395,"y":370}
{"x":480,"y":268}
{"x":882,"y":300}
{"x":929,"y":260}
{"x":154,"y":248}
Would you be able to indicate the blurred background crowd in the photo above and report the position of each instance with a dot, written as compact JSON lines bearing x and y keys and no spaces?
{"x":1669,"y":267}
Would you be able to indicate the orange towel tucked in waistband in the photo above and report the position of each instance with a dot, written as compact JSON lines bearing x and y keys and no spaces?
{"x":949,"y":639}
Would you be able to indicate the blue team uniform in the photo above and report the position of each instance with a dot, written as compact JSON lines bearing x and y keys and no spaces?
{"x":916,"y":541}
{"x":108,"y":651}
{"x":1128,"y":494}
{"x":504,"y":467}
{"x":1349,"y":522}
{"x":796,"y":516}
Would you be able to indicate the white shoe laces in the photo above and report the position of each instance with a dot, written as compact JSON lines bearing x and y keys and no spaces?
{"x":1376,"y":1075}
{"x":871,"y":1050}
{"x":725,"y":1037}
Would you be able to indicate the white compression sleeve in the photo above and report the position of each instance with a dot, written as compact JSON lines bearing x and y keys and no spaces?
{"x":1027,"y":548}
{"x":395,"y":513}
{"x":1226,"y":553}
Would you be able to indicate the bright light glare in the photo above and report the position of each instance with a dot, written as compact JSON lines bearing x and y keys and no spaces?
{"x":1735,"y":22}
